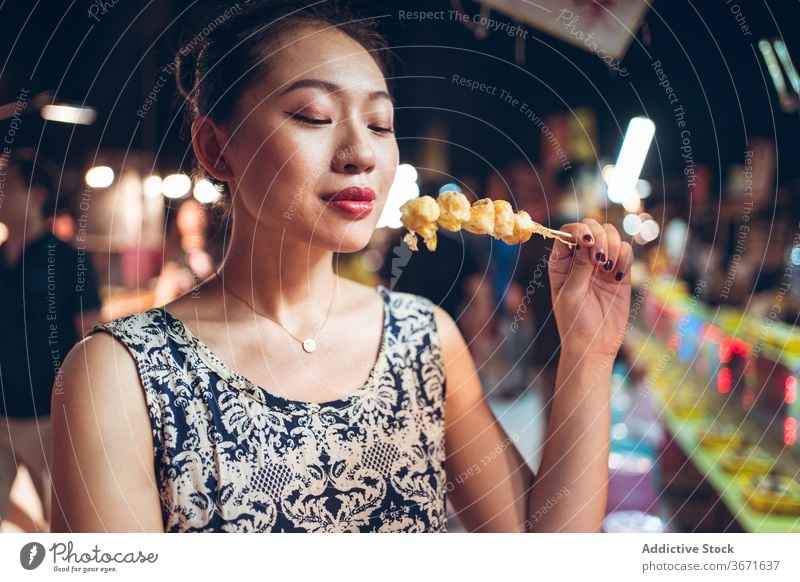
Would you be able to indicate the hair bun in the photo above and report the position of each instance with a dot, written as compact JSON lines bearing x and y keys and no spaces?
{"x":186,"y":69}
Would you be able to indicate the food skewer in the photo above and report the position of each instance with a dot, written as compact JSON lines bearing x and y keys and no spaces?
{"x":452,"y":211}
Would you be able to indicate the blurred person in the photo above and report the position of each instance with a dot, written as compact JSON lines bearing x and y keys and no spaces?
{"x":279,"y":397}
{"x":187,"y":261}
{"x":762,"y":264}
{"x":48,"y":300}
{"x":503,"y":256}
{"x":755,"y":253}
{"x":477,"y":319}
{"x":542,"y":350}
{"x":506,"y":376}
{"x":702,"y":264}
{"x":451,"y":278}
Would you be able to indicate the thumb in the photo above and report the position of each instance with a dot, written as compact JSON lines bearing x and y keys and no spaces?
{"x":582,"y":269}
{"x":572,"y":268}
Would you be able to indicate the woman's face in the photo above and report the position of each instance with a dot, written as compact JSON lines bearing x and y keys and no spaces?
{"x":321,"y":121}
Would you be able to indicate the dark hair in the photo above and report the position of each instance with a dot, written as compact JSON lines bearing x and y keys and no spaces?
{"x":217,"y":63}
{"x":35,"y":170}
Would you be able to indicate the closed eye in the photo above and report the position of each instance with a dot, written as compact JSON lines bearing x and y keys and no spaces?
{"x":309,"y":120}
{"x":379,"y":129}
{"x":315,"y":121}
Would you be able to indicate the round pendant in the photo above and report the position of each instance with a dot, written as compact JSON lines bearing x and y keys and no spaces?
{"x":309,"y":345}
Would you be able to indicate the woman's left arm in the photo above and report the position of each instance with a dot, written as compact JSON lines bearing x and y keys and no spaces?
{"x":490,"y":485}
{"x":591,"y":292}
{"x":488,"y":481}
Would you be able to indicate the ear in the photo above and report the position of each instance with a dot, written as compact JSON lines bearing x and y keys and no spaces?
{"x":208,"y":141}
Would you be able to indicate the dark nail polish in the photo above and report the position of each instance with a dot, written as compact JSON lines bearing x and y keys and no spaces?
{"x":618,"y":276}
{"x":588,"y":238}
{"x":609,"y":265}
{"x":601,"y":257}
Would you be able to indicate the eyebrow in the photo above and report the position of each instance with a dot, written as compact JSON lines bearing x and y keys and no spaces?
{"x":332,"y":88}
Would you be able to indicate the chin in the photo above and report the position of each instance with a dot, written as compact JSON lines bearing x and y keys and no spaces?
{"x":348,"y":240}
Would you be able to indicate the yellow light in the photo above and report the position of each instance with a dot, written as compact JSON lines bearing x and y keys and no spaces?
{"x":632,"y":202}
{"x":99,"y":177}
{"x":205,"y":192}
{"x":650,"y":230}
{"x":644,"y":188}
{"x":176,"y":185}
{"x":406,"y":173}
{"x":69,"y":114}
{"x":631,"y":158}
{"x":607,"y":173}
{"x":631,"y":224}
{"x":403,"y":189}
{"x":152,"y":186}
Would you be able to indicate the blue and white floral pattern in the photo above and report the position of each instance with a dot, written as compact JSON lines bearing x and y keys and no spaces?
{"x":231,"y":456}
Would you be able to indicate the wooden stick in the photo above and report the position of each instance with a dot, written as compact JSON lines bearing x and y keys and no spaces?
{"x":564,"y":237}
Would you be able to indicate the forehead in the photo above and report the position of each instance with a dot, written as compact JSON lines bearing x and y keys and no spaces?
{"x":329,"y":54}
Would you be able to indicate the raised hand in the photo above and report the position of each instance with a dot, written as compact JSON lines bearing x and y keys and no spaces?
{"x":591,"y":288}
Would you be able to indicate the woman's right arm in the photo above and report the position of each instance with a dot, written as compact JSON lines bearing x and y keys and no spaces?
{"x":102,"y":448}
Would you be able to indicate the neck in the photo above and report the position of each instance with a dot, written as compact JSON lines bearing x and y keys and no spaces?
{"x":283,"y":278}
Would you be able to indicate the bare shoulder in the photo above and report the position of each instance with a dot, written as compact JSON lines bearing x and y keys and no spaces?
{"x":201,"y":302}
{"x":94,"y":362}
{"x":463,"y":382}
{"x":99,"y":373}
{"x":450,"y":337}
{"x":103,"y":476}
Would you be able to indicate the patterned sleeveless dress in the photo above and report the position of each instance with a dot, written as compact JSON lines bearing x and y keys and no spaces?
{"x":231,"y":456}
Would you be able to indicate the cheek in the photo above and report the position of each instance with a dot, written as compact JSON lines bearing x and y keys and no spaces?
{"x":282,"y":183}
{"x":302,"y":160}
{"x":388,"y":168}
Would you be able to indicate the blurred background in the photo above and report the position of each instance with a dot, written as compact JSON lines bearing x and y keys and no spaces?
{"x":677,"y":122}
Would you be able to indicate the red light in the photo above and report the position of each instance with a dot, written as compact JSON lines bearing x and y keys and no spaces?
{"x":740,"y":347}
{"x":733,"y":345}
{"x":790,"y":392}
{"x":789,"y":431}
{"x":724,"y":351}
{"x":724,"y":380}
{"x":713,"y":332}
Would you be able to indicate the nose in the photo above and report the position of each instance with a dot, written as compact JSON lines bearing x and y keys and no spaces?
{"x":354,"y":154}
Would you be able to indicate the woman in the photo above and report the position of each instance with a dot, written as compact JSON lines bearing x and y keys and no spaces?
{"x":243,"y":406}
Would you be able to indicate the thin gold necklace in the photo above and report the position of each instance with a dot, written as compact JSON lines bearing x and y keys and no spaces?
{"x":309,"y":344}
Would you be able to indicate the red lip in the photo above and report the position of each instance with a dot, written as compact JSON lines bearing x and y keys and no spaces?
{"x":355,"y":193}
{"x":355,"y":201}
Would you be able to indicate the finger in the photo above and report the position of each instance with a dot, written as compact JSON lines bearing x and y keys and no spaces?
{"x":584,"y":263}
{"x":562,"y":255}
{"x":597,"y":252}
{"x":587,"y":236}
{"x":561,"y":252}
{"x":613,"y":242}
{"x":622,"y":270}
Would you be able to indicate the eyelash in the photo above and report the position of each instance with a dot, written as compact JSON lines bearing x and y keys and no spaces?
{"x":317,"y":122}
{"x":309,"y":120}
{"x":382,"y":129}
